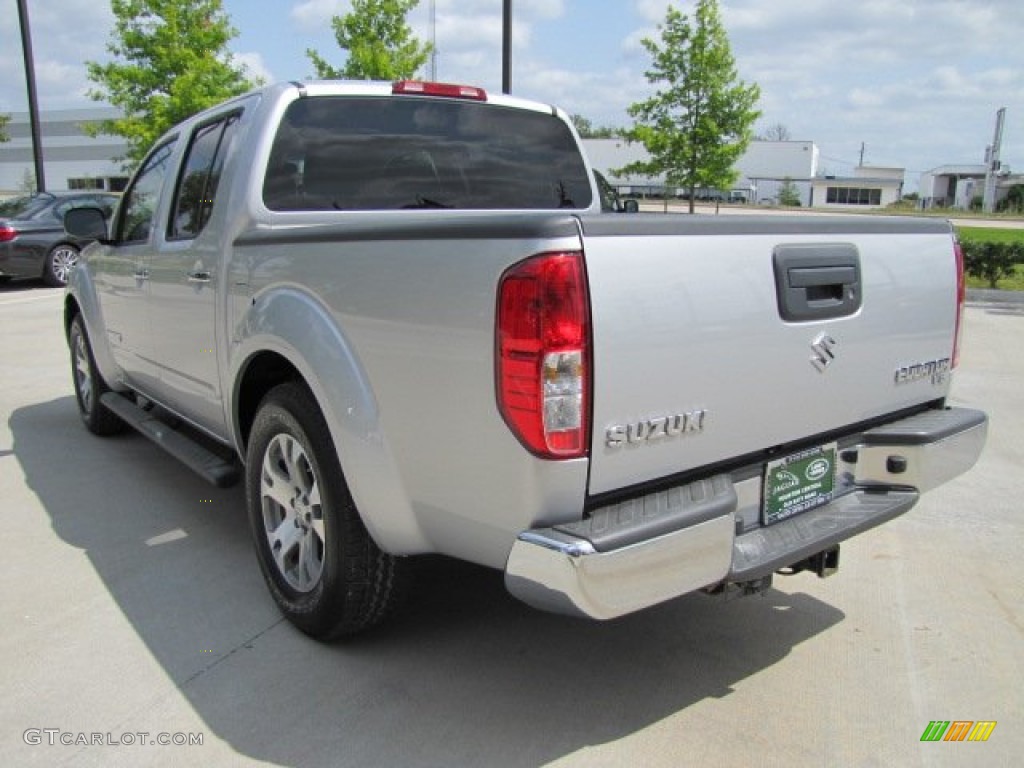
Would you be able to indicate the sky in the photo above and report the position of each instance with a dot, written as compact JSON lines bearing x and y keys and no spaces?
{"x":917,"y":82}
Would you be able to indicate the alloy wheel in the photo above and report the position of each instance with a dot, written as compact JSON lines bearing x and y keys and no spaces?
{"x":62,"y":261}
{"x":83,"y":372}
{"x":292,"y":513}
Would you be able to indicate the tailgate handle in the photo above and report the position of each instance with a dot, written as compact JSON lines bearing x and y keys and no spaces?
{"x":814,"y":277}
{"x":817,"y":281}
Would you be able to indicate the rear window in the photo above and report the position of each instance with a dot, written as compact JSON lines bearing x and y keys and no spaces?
{"x":345,"y":153}
{"x":24,"y":207}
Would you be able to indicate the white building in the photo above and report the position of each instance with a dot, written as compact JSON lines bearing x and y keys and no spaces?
{"x":763,"y":169}
{"x":957,"y":186}
{"x":71,"y":159}
{"x":870,"y":186}
{"x":938,"y":187}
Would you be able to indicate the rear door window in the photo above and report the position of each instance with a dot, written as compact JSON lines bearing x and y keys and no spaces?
{"x":197,"y":187}
{"x":367,"y":153}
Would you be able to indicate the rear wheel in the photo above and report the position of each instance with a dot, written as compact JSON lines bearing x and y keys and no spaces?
{"x":89,"y":384}
{"x":322,"y":567}
{"x":59,"y":263}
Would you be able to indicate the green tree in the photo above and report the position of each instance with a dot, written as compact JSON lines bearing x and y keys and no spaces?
{"x":701,"y":121}
{"x":788,"y":193}
{"x":4,"y":120}
{"x":379,"y":43}
{"x":28,"y":182}
{"x":171,"y":60}
{"x":1014,"y":200}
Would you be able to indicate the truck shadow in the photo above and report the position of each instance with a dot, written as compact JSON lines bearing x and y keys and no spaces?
{"x":465,"y":675}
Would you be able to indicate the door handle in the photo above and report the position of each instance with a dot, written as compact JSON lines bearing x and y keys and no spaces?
{"x":199,"y":277}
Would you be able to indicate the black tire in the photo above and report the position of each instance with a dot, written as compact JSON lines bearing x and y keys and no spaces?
{"x":323,"y":569}
{"x":59,"y":262}
{"x":89,"y":384}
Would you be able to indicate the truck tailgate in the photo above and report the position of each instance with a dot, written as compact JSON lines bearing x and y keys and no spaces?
{"x":720,"y":337}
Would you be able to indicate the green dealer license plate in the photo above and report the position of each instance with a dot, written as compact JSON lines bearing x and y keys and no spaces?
{"x":799,"y":482}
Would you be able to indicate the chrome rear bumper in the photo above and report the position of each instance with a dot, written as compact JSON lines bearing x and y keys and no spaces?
{"x":635,"y":554}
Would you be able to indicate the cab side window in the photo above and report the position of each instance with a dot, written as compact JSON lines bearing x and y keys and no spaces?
{"x":140,"y":201}
{"x":197,"y":187}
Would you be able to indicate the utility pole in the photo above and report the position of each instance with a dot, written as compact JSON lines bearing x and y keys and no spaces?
{"x":433,"y":41}
{"x":988,"y":202}
{"x":861,"y":163}
{"x":506,"y":47}
{"x":33,"y":105}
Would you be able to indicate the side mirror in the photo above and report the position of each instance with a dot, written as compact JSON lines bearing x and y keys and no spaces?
{"x":86,"y":223}
{"x":630,"y":206}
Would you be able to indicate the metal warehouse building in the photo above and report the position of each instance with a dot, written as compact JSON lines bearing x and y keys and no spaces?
{"x":72,"y":159}
{"x":763,"y":169}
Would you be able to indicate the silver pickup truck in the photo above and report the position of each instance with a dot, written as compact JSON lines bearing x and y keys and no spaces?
{"x":399,"y":314}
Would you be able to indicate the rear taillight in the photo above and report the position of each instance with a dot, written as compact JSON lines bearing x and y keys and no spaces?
{"x":961,"y":295}
{"x":7,"y":234}
{"x":543,"y":347}
{"x":448,"y":90}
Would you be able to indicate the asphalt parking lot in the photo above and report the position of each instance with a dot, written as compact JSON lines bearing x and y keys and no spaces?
{"x":133,"y":611}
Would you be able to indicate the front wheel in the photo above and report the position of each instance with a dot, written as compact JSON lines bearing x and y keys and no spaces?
{"x":322,"y":567}
{"x":59,"y":263}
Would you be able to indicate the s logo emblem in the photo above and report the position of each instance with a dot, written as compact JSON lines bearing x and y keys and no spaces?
{"x":823,"y":355}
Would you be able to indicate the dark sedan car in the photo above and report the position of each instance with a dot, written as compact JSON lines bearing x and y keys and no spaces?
{"x":33,"y":242}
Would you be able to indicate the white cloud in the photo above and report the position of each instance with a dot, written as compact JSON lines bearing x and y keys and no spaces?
{"x":468,"y":33}
{"x":467,"y":24}
{"x":653,"y":11}
{"x":312,"y":14}
{"x":602,"y":97}
{"x":544,"y":9}
{"x":255,"y":66}
{"x":632,"y":44}
{"x":862,"y":97}
{"x":64,"y":35}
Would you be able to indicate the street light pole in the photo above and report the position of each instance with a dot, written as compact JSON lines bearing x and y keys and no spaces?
{"x":33,"y":104}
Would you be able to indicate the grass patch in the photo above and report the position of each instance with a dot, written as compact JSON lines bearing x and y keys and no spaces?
{"x":991,"y":234}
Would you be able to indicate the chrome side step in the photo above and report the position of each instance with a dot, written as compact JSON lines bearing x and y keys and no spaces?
{"x":204,"y":462}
